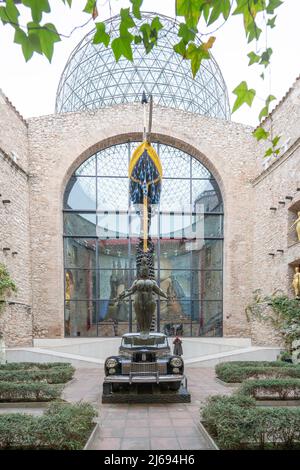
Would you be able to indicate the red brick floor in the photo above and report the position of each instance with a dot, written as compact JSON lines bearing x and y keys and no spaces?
{"x":148,"y":427}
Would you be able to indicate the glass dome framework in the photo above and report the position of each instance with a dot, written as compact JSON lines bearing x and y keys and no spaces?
{"x":92,"y":78}
{"x":101,"y":230}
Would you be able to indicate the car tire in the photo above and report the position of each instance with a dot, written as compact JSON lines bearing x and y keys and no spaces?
{"x":174,"y":386}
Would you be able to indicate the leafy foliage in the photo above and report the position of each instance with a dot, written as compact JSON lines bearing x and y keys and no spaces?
{"x":35,"y":365}
{"x":236,"y":423}
{"x":40,"y":38}
{"x":235,"y":373}
{"x":278,"y":310}
{"x":54,"y":375}
{"x":7,"y":285}
{"x":28,"y":391}
{"x":275,"y":388}
{"x":62,"y":427}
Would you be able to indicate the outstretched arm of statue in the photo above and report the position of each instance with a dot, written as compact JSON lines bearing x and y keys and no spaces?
{"x":126,"y":293}
{"x":160,"y":292}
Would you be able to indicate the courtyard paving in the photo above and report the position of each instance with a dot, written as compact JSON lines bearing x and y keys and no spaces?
{"x":173,"y":426}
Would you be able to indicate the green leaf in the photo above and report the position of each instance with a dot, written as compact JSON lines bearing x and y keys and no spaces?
{"x":272,"y":5}
{"x":271,"y":22}
{"x":69,"y":2}
{"x":265,"y":110}
{"x":33,"y":36}
{"x":136,"y":8}
{"x":101,"y":37}
{"x":22,"y":39}
{"x":37,"y":8}
{"x":269,"y":152}
{"x":219,"y":7}
{"x":187,"y":34}
{"x":126,"y":21}
{"x":244,"y":95}
{"x":265,"y":57}
{"x":122,"y":47}
{"x":180,"y":48}
{"x":253,"y":58}
{"x":260,"y":134}
{"x":196,"y":54}
{"x":48,"y":36}
{"x":9,"y":13}
{"x":156,"y":24}
{"x":190,"y":10}
{"x":253,"y":32}
{"x":138,"y":39}
{"x":276,"y":140}
{"x":89,"y":6}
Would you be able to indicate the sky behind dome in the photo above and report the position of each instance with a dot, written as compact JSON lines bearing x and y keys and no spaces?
{"x":32,"y":86}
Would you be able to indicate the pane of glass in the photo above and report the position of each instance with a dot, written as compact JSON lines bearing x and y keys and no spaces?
{"x":114,"y":281}
{"x":175,"y":163}
{"x":175,"y":317}
{"x":199,"y":170}
{"x":80,"y":253}
{"x":207,"y":318}
{"x":213,"y":226}
{"x":113,"y":161}
{"x":80,"y":284}
{"x":80,"y":224}
{"x":87,"y":168}
{"x":112,"y":224}
{"x":80,"y":194}
{"x":113,"y":195}
{"x":80,"y":318}
{"x":207,"y":254}
{"x":174,"y":254}
{"x":206,"y":196}
{"x":176,"y":283}
{"x":175,"y":195}
{"x":206,"y":285}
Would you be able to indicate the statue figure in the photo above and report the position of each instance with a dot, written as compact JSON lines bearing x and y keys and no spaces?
{"x":297,"y":223}
{"x":144,"y":289}
{"x":296,"y":282}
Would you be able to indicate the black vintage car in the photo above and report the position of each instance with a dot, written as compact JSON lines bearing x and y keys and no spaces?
{"x":143,"y":360}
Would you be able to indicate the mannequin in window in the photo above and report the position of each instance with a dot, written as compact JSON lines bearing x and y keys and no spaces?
{"x":297,"y":223}
{"x":296,"y":282}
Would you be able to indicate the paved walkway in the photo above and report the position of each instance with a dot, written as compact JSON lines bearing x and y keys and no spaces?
{"x":147,"y":427}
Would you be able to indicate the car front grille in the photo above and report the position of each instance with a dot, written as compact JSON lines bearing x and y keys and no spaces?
{"x":144,"y":368}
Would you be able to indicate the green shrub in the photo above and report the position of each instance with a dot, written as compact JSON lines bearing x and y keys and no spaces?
{"x":28,"y":391}
{"x":34,"y":365}
{"x":236,"y":373}
{"x":52,"y":375}
{"x":62,"y":427}
{"x":238,"y":424}
{"x":281,"y":389}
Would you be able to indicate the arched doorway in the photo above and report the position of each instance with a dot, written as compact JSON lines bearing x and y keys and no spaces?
{"x":101,"y":230}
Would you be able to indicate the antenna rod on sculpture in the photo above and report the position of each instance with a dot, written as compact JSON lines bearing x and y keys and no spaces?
{"x":150,"y":119}
{"x":144,"y":103}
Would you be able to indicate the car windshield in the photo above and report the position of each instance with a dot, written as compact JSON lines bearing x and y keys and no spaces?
{"x":151,"y":341}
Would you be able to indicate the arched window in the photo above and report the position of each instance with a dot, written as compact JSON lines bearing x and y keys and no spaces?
{"x":101,"y":230}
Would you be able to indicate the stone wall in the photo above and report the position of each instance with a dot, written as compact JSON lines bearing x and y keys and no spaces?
{"x":60,"y":143}
{"x":276,"y":249}
{"x":15,"y":321}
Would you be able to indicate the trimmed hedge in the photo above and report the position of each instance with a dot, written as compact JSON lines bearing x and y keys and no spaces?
{"x":278,"y":389}
{"x":237,"y":424}
{"x":34,"y":365}
{"x":53,"y":375}
{"x":28,"y":391}
{"x":236,"y":373}
{"x":62,"y":427}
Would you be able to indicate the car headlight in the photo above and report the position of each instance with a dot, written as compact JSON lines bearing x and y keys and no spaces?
{"x":111,"y":363}
{"x":176,"y":362}
{"x":112,"y":371}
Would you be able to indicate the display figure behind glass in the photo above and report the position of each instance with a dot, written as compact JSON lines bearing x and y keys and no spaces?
{"x":144,"y":290}
{"x":296,"y":282}
{"x":297,"y":223}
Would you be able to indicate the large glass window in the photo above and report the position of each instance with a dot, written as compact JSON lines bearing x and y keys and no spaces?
{"x":101,"y":230}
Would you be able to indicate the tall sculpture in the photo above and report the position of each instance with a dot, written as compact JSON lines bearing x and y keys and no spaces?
{"x":296,"y":282}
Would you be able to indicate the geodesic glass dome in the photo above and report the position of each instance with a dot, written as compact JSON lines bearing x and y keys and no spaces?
{"x":93,"y":79}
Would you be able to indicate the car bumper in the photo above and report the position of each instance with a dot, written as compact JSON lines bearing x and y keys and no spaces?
{"x":143,"y":378}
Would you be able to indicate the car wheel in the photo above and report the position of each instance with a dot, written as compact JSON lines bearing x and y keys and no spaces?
{"x":174,"y":386}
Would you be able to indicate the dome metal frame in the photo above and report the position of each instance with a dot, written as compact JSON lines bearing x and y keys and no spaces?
{"x":92,"y":78}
